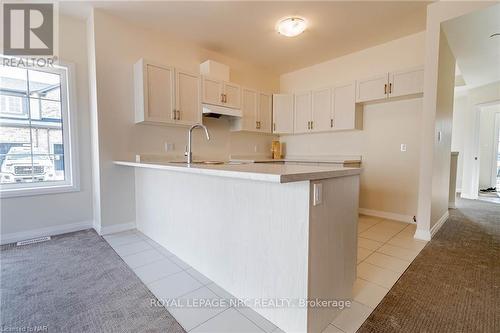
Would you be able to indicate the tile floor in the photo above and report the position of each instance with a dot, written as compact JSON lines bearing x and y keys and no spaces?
{"x":385,"y":249}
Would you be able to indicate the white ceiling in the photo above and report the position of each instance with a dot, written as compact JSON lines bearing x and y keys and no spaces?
{"x":478,"y":55}
{"x":246,"y":29}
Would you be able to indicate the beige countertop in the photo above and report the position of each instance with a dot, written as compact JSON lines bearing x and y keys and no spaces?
{"x":278,"y":173}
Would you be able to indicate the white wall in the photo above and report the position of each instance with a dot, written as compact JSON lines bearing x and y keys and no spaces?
{"x":458,"y":133}
{"x":487,"y":155}
{"x":443,"y":125}
{"x":25,"y":217}
{"x":118,"y":45}
{"x":389,"y":181}
{"x":437,"y":13}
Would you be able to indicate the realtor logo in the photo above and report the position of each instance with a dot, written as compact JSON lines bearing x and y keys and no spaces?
{"x":28,"y":29}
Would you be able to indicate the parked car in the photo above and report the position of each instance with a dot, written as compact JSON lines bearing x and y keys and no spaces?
{"x":18,"y":166}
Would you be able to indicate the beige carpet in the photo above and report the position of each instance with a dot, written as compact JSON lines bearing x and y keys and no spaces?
{"x":75,"y":283}
{"x":454,"y":283}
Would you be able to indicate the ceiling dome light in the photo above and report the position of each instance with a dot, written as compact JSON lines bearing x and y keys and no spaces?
{"x":291,"y":26}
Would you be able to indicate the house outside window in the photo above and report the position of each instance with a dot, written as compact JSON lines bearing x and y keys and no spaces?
{"x":37,"y":141}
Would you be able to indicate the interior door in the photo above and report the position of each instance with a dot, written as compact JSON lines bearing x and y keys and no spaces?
{"x":344,"y":106}
{"x":249,"y":109}
{"x":283,"y":113}
{"x":302,"y":117}
{"x":265,"y":112}
{"x":373,"y":88}
{"x":212,"y":91}
{"x":406,"y":82}
{"x":187,"y":97}
{"x":232,"y":94}
{"x":160,"y":82}
{"x":321,"y":110}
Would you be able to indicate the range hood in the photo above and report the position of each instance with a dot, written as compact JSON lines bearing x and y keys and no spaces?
{"x":216,"y":111}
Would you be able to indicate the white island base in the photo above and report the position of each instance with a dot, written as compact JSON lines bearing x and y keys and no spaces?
{"x":259,"y":240}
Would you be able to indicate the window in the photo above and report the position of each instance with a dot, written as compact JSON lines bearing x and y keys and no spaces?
{"x":36,"y":147}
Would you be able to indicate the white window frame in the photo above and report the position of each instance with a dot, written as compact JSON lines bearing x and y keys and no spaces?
{"x":71,"y":183}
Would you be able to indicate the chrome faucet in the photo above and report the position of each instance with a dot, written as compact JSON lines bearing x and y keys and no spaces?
{"x":189,"y":153}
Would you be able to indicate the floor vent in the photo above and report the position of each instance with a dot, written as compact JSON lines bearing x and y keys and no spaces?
{"x":33,"y":241}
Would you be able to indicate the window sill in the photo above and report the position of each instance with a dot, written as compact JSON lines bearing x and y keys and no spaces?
{"x":38,"y":190}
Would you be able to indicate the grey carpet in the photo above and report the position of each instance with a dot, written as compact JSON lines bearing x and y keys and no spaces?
{"x":454,"y":283}
{"x":76,"y":283}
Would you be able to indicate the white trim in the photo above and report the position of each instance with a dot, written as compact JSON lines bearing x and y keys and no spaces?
{"x":468,"y":196}
{"x":69,"y":114}
{"x":387,"y":215}
{"x":440,"y":223}
{"x":47,"y":231}
{"x":111,"y":229}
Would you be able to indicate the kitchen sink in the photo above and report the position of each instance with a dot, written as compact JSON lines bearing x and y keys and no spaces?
{"x":198,"y":162}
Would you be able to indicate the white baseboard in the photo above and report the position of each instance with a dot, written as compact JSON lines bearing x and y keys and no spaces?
{"x":111,"y":229}
{"x":439,"y":223}
{"x":467,"y":196}
{"x":47,"y":231}
{"x":387,"y":215}
{"x":452,"y":205}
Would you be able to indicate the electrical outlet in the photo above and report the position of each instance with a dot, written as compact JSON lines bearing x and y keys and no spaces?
{"x":169,"y":146}
{"x":403,"y":147}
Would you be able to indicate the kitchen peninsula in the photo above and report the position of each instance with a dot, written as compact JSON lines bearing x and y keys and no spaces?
{"x":261,"y":231}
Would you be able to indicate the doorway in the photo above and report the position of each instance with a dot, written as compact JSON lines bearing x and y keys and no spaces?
{"x":489,"y":167}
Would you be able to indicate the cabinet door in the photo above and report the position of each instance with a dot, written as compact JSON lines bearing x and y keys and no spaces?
{"x":345,"y":110}
{"x":321,"y":110}
{"x":302,"y":116}
{"x":249,"y":109}
{"x":265,"y":112}
{"x":187,"y":97}
{"x":160,"y":94}
{"x":283,"y":113}
{"x":212,"y":91}
{"x":232,"y":94}
{"x":373,"y":88}
{"x":406,"y":82}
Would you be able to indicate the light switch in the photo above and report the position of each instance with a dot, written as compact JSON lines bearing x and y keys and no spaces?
{"x":317,"y":194}
{"x":403,"y":147}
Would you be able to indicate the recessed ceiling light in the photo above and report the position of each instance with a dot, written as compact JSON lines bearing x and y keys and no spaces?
{"x":291,"y":26}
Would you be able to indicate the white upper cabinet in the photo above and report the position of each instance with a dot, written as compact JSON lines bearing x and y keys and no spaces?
{"x":221,"y":93}
{"x":232,"y":95}
{"x":283,"y":113}
{"x":347,"y":115}
{"x":303,"y":113}
{"x":249,"y":100}
{"x":265,"y":112}
{"x":164,"y":95}
{"x":212,"y":91}
{"x":394,"y":84}
{"x":406,"y":82}
{"x":257,"y":112}
{"x":322,"y":111}
{"x":187,"y":97}
{"x":373,"y":88}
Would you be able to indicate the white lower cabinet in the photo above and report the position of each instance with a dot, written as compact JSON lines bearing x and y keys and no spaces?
{"x":283,"y":113}
{"x":165,"y":95}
